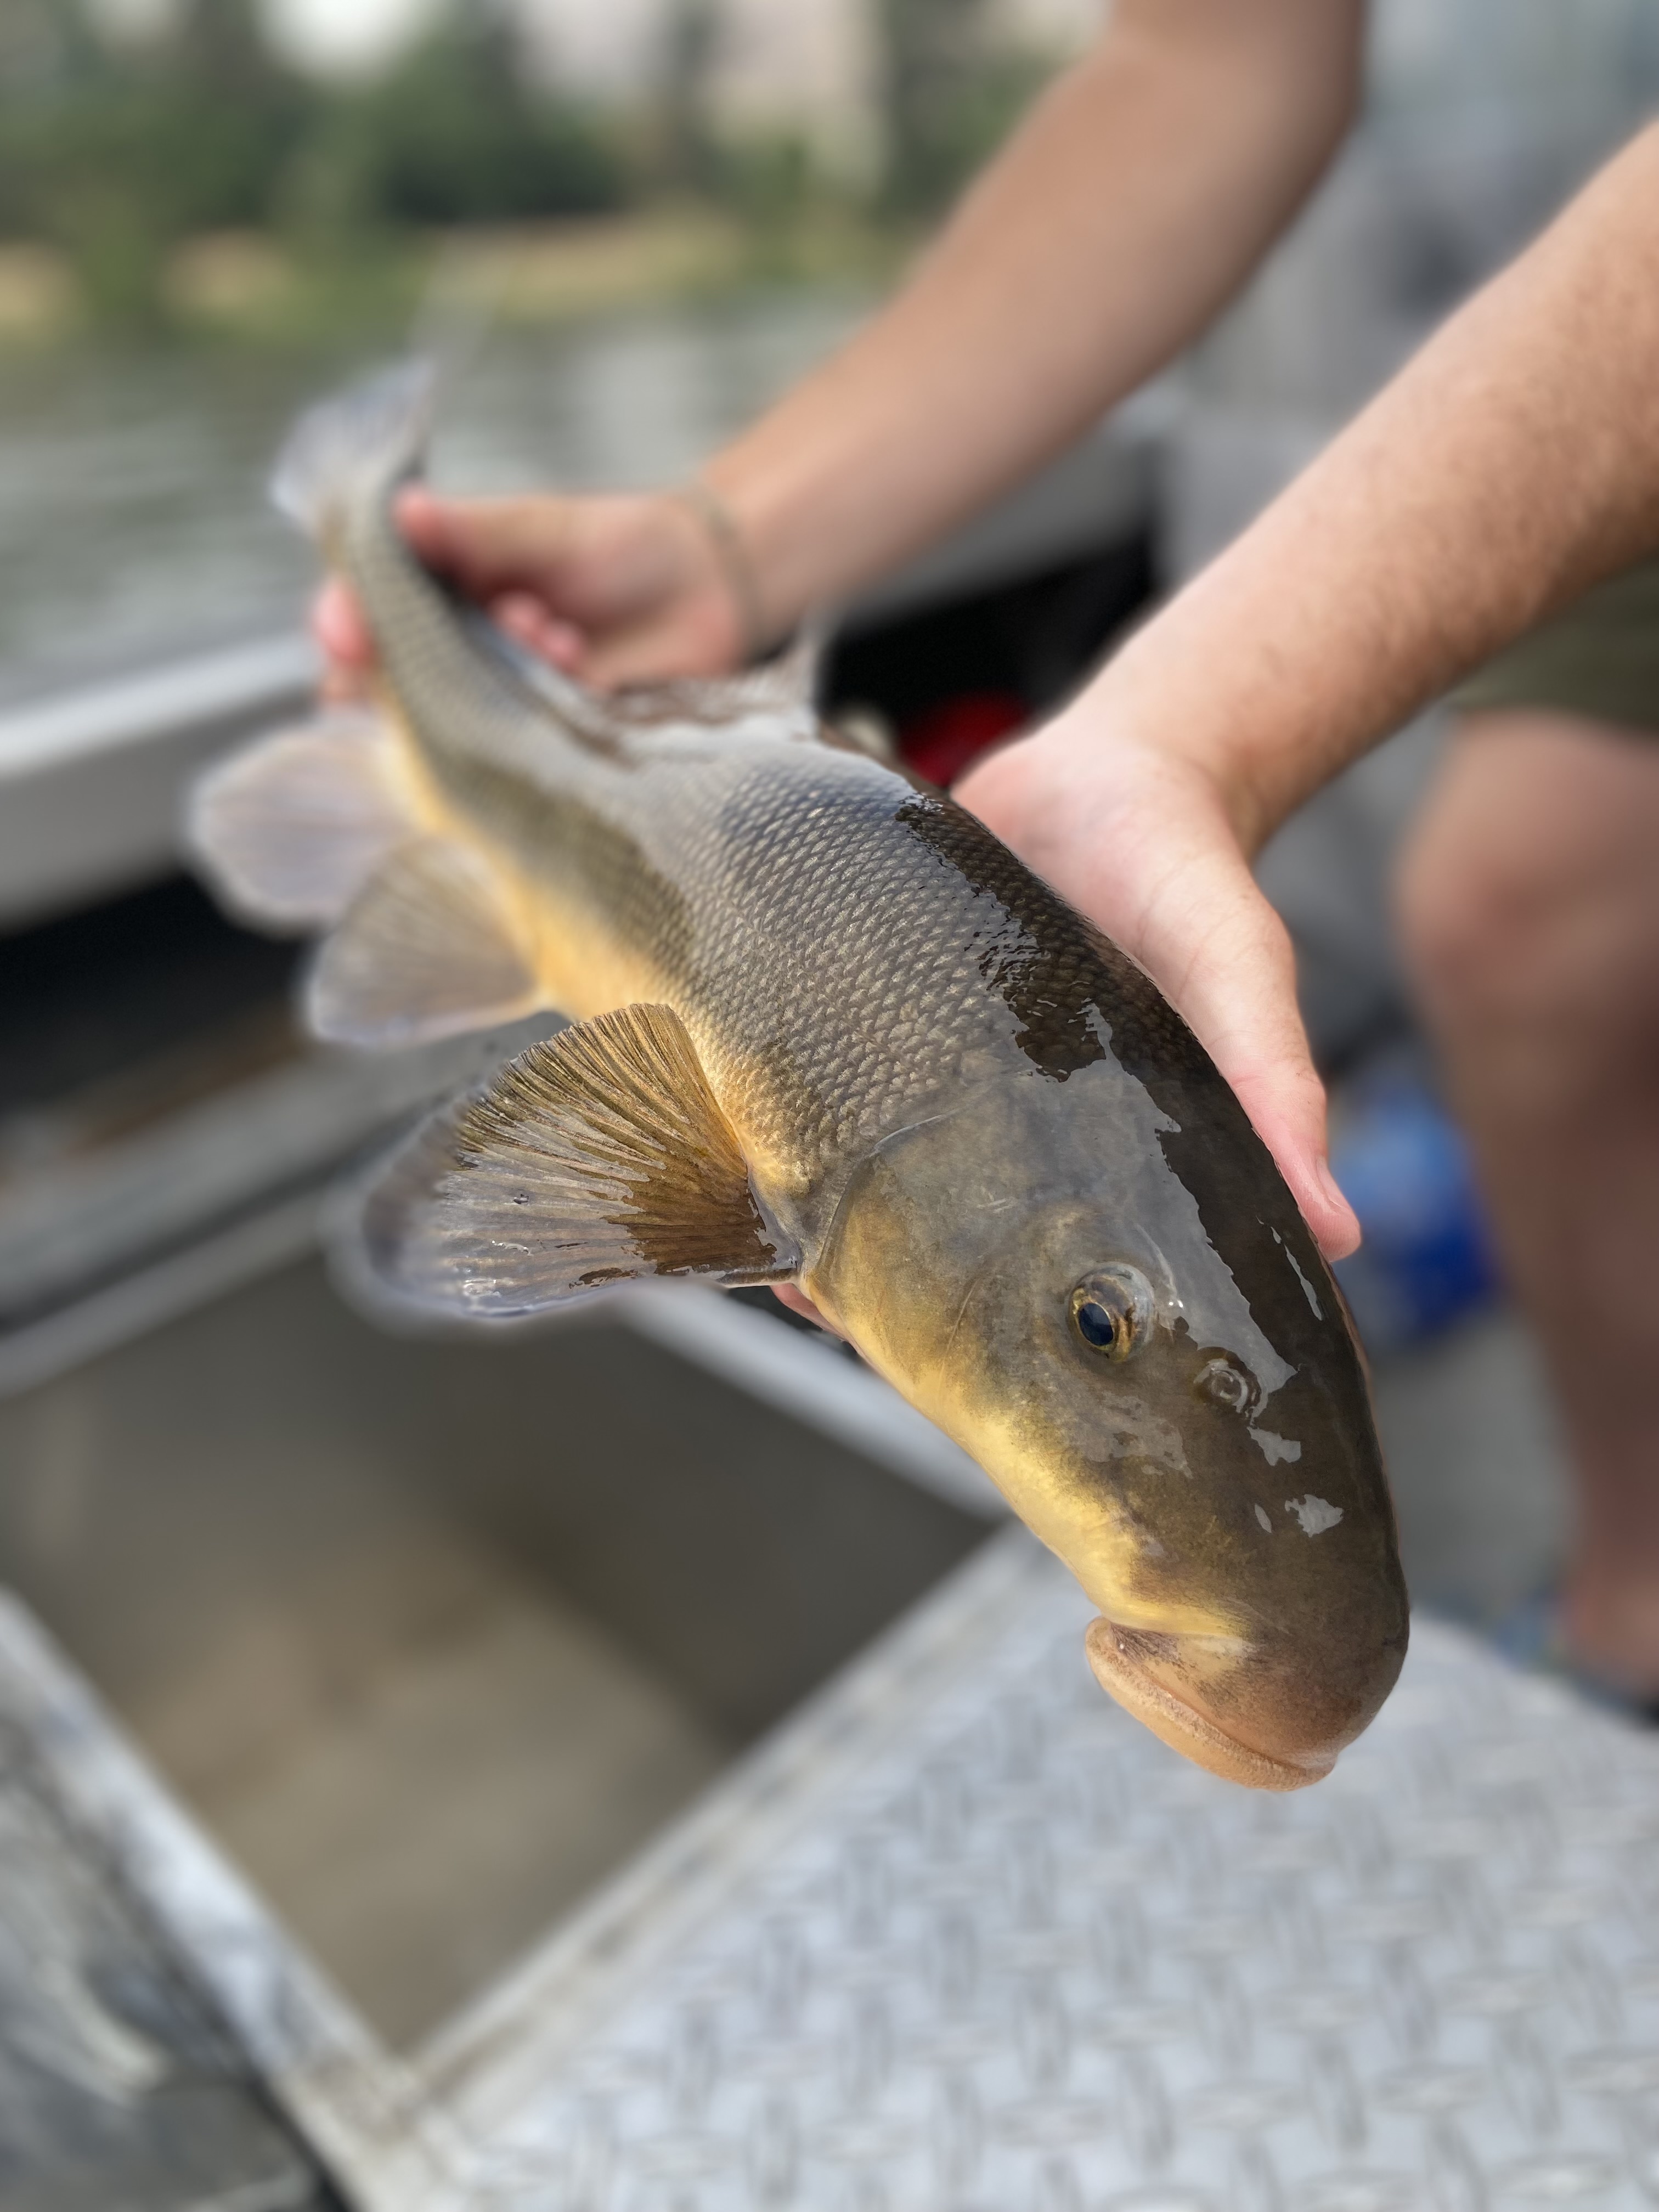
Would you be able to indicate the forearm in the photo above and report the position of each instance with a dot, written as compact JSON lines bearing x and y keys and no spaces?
{"x":1135,"y":200}
{"x":1514,"y":462}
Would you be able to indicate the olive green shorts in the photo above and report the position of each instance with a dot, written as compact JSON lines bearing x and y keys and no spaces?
{"x":1599,"y":659}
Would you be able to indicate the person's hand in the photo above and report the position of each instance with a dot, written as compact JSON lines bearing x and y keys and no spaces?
{"x":614,"y":589}
{"x":1141,"y":840}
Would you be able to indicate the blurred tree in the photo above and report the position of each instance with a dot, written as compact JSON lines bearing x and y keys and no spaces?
{"x":767,"y":179}
{"x":689,"y":157}
{"x":951,"y":85}
{"x":37,"y":40}
{"x":456,"y":132}
{"x":116,"y":153}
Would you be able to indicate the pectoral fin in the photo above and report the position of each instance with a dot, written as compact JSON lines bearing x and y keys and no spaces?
{"x":431,"y":947}
{"x":290,"y":829}
{"x":597,"y":1157}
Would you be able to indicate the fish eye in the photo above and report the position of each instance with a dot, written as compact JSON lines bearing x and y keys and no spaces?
{"x":1224,"y":1383}
{"x":1112,"y":1310}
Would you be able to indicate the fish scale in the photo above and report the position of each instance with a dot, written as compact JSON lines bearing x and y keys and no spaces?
{"x":778,"y":870}
{"x":829,"y":1031}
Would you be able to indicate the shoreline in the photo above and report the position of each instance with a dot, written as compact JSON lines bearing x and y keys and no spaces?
{"x":256,"y":288}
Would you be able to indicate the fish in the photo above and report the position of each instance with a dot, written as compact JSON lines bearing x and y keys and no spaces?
{"x":823,"y":1029}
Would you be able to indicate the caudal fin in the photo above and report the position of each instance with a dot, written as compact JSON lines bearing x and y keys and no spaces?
{"x":355,"y":446}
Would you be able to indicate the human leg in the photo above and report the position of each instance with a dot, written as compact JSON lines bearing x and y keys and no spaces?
{"x":1529,"y":909}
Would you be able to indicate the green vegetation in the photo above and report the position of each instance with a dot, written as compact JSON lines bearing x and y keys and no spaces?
{"x":452,"y":133}
{"x":952,"y":89}
{"x":117,"y":153}
{"x":114,"y":156}
{"x":192,"y":176}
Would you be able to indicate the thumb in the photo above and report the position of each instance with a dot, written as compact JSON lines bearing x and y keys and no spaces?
{"x":1287,"y":1107}
{"x":1143,"y":843}
{"x":1241,"y":1001}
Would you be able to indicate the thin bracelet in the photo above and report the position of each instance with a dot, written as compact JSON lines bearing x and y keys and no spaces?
{"x":732,"y":557}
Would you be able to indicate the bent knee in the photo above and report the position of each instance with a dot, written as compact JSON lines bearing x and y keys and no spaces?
{"x":1529,"y":879}
{"x":1466,"y":888}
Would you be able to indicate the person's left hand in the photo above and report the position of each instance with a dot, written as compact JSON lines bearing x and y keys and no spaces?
{"x":1142,"y":840}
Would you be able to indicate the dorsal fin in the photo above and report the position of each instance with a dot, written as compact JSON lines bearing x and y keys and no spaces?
{"x":289,"y":830}
{"x":600,"y":1155}
{"x":784,"y":688}
{"x":786,"y":685}
{"x":430,"y":948}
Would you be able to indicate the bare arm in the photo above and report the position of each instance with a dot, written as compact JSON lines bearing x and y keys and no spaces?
{"x":1136,"y":198}
{"x":1133,"y":202}
{"x":1512,"y":464}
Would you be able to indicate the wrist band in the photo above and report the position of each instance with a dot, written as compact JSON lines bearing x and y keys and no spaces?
{"x":732,"y":558}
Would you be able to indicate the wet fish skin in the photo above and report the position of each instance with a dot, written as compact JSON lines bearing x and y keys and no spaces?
{"x":1243,"y":1556}
{"x":833,"y":1031}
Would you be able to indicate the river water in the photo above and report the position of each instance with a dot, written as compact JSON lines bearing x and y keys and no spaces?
{"x":133,"y":522}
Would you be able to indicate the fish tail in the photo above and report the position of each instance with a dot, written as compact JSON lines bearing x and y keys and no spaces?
{"x":355,"y":447}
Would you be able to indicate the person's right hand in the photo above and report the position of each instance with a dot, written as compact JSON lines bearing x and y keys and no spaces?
{"x":617,"y":588}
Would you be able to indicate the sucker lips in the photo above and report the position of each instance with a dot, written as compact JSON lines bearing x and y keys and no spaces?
{"x":1182,"y":1726}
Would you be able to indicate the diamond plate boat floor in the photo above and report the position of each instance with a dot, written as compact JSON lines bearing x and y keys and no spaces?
{"x":959,"y":1934}
{"x":1021,"y":1955}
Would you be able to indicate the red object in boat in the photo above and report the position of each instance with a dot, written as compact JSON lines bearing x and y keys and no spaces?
{"x":941,"y":741}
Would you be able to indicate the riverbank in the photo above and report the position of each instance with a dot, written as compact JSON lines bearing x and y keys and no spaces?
{"x":258,"y":288}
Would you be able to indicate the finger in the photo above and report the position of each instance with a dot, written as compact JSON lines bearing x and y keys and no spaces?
{"x":1290,"y":1120}
{"x":527,"y":618}
{"x":1150,"y":855}
{"x":564,"y":645}
{"x":338,"y":625}
{"x":1241,"y":1001}
{"x":487,"y":546}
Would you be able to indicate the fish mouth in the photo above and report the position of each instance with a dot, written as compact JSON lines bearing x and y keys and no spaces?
{"x":1122,"y":1659}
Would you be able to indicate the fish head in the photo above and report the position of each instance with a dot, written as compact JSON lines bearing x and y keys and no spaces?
{"x":1102,"y":1288}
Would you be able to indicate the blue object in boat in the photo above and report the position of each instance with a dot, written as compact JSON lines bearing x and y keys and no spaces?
{"x":1427,"y":1259}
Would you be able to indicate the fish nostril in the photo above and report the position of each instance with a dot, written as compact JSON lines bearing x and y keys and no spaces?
{"x":1224,"y":1383}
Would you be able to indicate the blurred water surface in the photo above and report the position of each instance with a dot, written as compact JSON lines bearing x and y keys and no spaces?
{"x":133,"y":521}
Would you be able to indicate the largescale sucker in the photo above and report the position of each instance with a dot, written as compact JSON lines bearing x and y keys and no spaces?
{"x":827,"y":1029}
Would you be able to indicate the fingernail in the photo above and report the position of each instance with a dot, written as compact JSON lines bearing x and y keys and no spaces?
{"x":1332,"y":1192}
